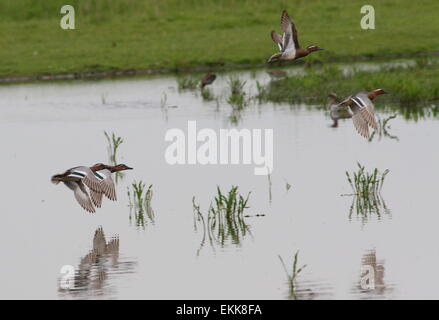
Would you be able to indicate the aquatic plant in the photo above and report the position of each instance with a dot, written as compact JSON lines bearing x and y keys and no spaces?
{"x":237,"y":98}
{"x":292,"y":276}
{"x":224,"y":222}
{"x":114,"y":143}
{"x":140,"y":199}
{"x":383,"y":129}
{"x":207,"y":94}
{"x":187,"y":83}
{"x":414,"y":87}
{"x":367,"y":191}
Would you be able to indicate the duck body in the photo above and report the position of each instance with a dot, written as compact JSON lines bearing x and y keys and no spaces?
{"x":288,"y":43}
{"x":207,"y":79}
{"x":335,"y":112}
{"x":97,"y":178}
{"x":360,"y":108}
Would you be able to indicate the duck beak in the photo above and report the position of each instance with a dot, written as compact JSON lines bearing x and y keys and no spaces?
{"x":129,"y":168}
{"x":320,"y":49}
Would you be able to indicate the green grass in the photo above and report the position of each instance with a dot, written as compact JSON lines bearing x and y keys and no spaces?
{"x":292,"y":276}
{"x":367,"y":192}
{"x":225,"y":223}
{"x":177,"y":34}
{"x":140,"y":201}
{"x":414,"y":90}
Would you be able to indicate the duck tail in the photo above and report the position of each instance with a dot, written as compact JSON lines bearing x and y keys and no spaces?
{"x":274,"y":57}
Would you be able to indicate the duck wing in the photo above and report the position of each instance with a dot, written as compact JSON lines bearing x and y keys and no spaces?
{"x":81,"y":195}
{"x":106,"y":184}
{"x":366,"y":108}
{"x":277,"y":39}
{"x":85,"y":175}
{"x":360,"y":124}
{"x":290,"y":38}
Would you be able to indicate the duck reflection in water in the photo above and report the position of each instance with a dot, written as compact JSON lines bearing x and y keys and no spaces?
{"x":372,"y":274}
{"x":97,"y":265}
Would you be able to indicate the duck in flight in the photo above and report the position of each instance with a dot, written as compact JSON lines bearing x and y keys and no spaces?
{"x":288,"y":43}
{"x":98,"y":180}
{"x":360,"y":108}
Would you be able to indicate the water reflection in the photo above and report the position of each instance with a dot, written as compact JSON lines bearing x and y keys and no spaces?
{"x":295,"y":291}
{"x":371,"y":282}
{"x":92,"y":276}
{"x":383,"y":129}
{"x":141,"y":211}
{"x":224,"y":223}
{"x":366,"y":208}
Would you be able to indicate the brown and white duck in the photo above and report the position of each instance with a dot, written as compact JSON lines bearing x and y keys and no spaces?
{"x":97,"y":178}
{"x":360,"y":108}
{"x":207,"y":79}
{"x":288,"y":43}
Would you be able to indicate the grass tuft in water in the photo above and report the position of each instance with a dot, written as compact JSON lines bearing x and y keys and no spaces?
{"x":292,"y":276}
{"x":114,"y":143}
{"x":207,"y":94}
{"x":225,"y":222}
{"x":140,"y":199}
{"x":187,"y":83}
{"x":367,"y":191}
{"x":237,"y":98}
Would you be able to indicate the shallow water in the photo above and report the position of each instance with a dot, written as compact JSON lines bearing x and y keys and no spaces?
{"x":47,"y":128}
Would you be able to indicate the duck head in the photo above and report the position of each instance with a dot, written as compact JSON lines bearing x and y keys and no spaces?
{"x":119,"y":167}
{"x":332,"y":96}
{"x":375,"y":93}
{"x":313,"y":48}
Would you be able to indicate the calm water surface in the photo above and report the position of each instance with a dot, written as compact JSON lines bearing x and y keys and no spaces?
{"x":47,"y":128}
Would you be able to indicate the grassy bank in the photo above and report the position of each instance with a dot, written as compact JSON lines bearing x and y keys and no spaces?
{"x":142,"y":34}
{"x":411,"y":88}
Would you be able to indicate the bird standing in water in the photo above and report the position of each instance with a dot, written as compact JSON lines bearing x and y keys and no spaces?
{"x":288,"y":43}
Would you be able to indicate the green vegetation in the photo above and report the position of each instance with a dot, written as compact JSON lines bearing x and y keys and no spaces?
{"x":292,"y":276}
{"x":237,"y":95}
{"x":225,"y":222}
{"x":115,"y":35}
{"x":187,"y":83}
{"x":411,"y":87}
{"x":367,"y":191}
{"x":114,"y":143}
{"x":140,"y":202}
{"x":207,"y":94}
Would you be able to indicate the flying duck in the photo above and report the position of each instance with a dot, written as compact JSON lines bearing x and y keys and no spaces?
{"x":288,"y":43}
{"x":360,"y":108}
{"x":97,"y":178}
{"x":207,"y":79}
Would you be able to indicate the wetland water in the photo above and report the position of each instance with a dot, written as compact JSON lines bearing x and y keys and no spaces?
{"x":49,"y":127}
